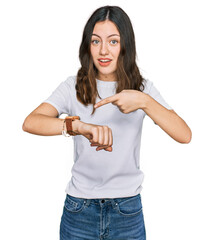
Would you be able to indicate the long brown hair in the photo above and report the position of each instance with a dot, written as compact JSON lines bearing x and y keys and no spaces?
{"x":127,"y":73}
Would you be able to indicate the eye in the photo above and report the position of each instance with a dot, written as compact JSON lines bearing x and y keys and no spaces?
{"x":95,"y":42}
{"x":113,"y":42}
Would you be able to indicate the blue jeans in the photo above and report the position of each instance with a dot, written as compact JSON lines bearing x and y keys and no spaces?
{"x":96,"y":219}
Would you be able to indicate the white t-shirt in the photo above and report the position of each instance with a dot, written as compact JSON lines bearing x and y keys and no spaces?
{"x":103,"y":174}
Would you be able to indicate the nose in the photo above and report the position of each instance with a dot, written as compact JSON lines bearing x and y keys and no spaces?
{"x":104,"y":49}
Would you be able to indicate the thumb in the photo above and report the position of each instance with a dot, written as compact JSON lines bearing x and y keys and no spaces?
{"x":108,"y":149}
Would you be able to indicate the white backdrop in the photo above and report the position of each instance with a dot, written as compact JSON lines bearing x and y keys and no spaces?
{"x":39,"y":49}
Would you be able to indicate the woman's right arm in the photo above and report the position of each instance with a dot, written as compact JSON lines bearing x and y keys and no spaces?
{"x":44,"y":121}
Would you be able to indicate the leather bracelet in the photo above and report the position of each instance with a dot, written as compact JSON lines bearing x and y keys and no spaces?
{"x":64,"y":133}
{"x":68,"y":122}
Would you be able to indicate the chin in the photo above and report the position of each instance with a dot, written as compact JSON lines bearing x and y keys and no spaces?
{"x":107,"y":72}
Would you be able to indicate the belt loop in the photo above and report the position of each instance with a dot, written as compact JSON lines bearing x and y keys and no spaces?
{"x":87,"y":202}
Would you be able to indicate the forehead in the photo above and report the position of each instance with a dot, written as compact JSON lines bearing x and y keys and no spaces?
{"x":105,"y":28}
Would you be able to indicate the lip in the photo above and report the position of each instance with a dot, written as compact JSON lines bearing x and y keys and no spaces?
{"x":104,"y":59}
{"x":104,"y":64}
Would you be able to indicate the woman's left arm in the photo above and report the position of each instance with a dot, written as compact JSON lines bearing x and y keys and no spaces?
{"x":168,"y":120}
{"x":131,"y":100}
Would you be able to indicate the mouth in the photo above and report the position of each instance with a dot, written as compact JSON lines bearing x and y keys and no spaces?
{"x":104,"y":61}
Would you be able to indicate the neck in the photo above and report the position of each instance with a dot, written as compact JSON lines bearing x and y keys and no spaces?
{"x":107,"y":78}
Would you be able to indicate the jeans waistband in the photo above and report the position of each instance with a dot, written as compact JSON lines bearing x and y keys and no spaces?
{"x":105,"y":201}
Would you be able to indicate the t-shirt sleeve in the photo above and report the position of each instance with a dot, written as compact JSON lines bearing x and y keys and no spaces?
{"x":60,"y":97}
{"x":151,"y":90}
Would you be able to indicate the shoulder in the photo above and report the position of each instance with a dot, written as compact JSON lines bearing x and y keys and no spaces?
{"x":68,"y":84}
{"x":70,"y":81}
{"x":147,"y":85}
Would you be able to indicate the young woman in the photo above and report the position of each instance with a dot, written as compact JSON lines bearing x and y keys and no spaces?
{"x":111,"y":99}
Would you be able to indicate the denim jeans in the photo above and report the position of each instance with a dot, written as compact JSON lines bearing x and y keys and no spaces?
{"x":108,"y":218}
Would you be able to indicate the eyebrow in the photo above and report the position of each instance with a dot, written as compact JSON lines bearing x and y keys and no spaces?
{"x":107,"y":37}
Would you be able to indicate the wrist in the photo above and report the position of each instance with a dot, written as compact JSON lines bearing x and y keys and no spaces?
{"x":76,"y":126}
{"x":145,"y":98}
{"x":70,"y":126}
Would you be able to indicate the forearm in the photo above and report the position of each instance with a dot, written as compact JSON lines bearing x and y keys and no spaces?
{"x":44,"y":125}
{"x":167,"y":120}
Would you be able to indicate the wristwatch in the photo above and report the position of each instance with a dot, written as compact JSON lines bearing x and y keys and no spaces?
{"x":68,"y":122}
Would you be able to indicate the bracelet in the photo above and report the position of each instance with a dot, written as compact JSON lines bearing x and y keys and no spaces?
{"x":64,"y":133}
{"x":68,"y":122}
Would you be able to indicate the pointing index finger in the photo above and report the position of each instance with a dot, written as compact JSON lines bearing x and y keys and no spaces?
{"x":105,"y":101}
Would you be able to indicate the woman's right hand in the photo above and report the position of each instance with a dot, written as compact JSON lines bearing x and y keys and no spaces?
{"x":98,"y":135}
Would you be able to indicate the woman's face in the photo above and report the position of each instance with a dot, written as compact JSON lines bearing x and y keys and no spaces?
{"x":105,"y":49}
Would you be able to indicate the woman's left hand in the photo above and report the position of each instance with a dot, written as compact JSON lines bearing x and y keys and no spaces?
{"x":127,"y":100}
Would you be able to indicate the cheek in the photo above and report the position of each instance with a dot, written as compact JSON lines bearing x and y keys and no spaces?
{"x":117,"y":56}
{"x":117,"y":52}
{"x":93,"y":52}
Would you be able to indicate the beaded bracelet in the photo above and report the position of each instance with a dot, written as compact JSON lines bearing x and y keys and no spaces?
{"x":64,"y":132}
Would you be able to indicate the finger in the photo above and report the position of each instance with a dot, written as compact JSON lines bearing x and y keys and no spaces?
{"x":105,"y":142}
{"x":105,"y":101}
{"x":94,"y":144}
{"x":104,"y":148}
{"x":100,"y":137}
{"x":99,"y":148}
{"x":106,"y":136}
{"x":95,"y":134}
{"x":109,"y":149}
{"x":97,"y":144}
{"x":110,"y":138}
